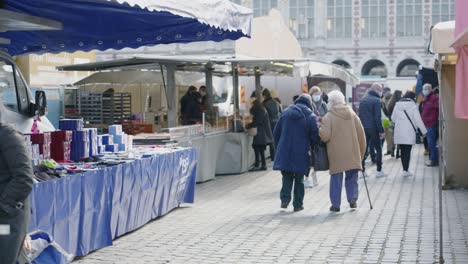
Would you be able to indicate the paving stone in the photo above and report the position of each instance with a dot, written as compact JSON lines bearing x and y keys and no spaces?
{"x":237,"y":219}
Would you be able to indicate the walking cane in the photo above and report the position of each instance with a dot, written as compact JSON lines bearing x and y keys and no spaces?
{"x":367,"y":189}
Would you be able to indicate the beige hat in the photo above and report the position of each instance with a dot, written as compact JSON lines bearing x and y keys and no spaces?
{"x":315,"y":89}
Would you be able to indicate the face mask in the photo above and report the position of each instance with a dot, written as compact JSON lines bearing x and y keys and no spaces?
{"x":426,"y":92}
{"x":316,"y":98}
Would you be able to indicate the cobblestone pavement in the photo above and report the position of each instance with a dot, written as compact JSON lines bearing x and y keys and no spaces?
{"x":237,"y":219}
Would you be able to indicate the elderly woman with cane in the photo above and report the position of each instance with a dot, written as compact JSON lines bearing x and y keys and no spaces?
{"x":342,"y":130}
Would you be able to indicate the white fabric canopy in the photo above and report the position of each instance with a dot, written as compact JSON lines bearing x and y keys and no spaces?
{"x":443,"y":37}
{"x":218,"y":13}
{"x":137,"y":77}
{"x":304,"y":68}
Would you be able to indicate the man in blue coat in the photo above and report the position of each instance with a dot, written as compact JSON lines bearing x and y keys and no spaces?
{"x":294,"y":134}
{"x":371,"y":118}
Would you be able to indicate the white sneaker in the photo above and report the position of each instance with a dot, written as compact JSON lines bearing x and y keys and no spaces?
{"x":407,"y":174}
{"x":364,"y":174}
{"x":307,"y":183}
{"x":380,"y":174}
{"x":313,"y":175}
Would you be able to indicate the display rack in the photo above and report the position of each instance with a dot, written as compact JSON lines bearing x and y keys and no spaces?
{"x":99,"y":110}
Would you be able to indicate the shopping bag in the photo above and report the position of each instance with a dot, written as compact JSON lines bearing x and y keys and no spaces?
{"x":320,"y":157}
{"x":252,"y":131}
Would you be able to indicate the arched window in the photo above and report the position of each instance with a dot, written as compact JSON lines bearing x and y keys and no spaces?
{"x":374,"y":68}
{"x":407,"y":68}
{"x":342,"y":63}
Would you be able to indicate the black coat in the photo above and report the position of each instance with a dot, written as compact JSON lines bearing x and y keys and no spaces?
{"x":274,"y":110}
{"x":194,"y":111}
{"x":262,"y":123}
{"x":15,"y":185}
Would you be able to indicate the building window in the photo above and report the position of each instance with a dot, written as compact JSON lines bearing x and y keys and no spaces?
{"x":373,"y":18}
{"x":263,"y":7}
{"x":301,"y":15}
{"x":407,"y":68}
{"x":442,"y":10}
{"x":374,"y":68}
{"x":339,"y":18}
{"x":342,"y":63}
{"x":409,"y":17}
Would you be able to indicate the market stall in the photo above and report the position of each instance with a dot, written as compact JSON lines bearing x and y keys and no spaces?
{"x":102,"y":188}
{"x":453,"y":130}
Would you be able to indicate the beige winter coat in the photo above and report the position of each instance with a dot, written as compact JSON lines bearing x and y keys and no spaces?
{"x":342,"y":130}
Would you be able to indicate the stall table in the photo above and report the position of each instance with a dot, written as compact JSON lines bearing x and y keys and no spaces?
{"x":85,"y":212}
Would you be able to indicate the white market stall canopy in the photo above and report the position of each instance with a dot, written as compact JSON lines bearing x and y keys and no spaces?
{"x":117,"y":24}
{"x":136,"y":77}
{"x":443,"y":37}
{"x":223,"y":66}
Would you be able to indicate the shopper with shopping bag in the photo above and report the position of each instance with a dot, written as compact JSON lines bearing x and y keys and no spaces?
{"x":409,"y":128}
{"x":319,"y":108}
{"x":344,"y":134}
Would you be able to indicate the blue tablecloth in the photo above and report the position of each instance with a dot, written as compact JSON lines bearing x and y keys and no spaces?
{"x":86,"y":211}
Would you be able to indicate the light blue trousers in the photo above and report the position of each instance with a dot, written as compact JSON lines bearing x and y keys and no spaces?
{"x":351,"y":185}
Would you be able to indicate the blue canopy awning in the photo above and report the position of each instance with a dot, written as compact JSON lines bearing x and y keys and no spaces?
{"x":116,"y":24}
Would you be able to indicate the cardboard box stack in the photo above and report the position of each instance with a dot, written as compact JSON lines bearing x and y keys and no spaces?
{"x":43,"y":141}
{"x":93,"y":141}
{"x":61,"y":145}
{"x":33,"y":150}
{"x":80,"y":138}
{"x":116,"y":140}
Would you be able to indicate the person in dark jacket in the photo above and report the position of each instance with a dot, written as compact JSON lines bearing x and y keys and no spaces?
{"x":274,"y":111}
{"x":430,"y":117}
{"x":370,"y":114}
{"x":194,"y":109}
{"x":295,"y":133}
{"x":320,"y":109}
{"x":396,"y":97}
{"x":264,"y":135}
{"x":15,"y":185}
{"x":184,"y":101}
{"x":204,"y":98}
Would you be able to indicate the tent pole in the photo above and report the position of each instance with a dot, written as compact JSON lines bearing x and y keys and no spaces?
{"x":235,"y":85}
{"x":209,"y":89}
{"x":171,"y":96}
{"x":258,"y":85}
{"x":441,"y":162}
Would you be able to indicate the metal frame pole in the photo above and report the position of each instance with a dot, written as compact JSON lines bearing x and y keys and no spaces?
{"x":441,"y":162}
{"x":235,"y":85}
{"x":258,"y":84}
{"x":171,"y":96}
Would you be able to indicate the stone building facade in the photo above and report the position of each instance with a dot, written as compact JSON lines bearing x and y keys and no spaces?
{"x":386,"y":38}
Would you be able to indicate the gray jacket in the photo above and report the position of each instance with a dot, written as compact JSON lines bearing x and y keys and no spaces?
{"x":15,"y":185}
{"x":320,"y":109}
{"x":274,"y":110}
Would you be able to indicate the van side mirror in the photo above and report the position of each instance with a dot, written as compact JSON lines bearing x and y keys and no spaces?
{"x":41,"y":103}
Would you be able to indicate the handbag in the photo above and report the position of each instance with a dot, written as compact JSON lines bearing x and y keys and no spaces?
{"x":418,"y":132}
{"x":320,"y":157}
{"x":252,"y":131}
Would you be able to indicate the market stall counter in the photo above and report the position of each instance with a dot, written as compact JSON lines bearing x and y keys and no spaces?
{"x":236,"y":155}
{"x":86,"y":211}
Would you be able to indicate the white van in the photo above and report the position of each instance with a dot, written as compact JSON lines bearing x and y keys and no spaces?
{"x":18,"y":106}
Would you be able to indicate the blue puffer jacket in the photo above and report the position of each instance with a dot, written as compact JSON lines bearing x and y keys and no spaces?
{"x":370,"y":112}
{"x":295,"y":132}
